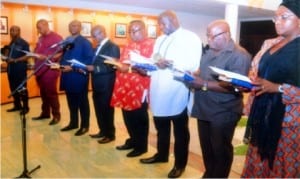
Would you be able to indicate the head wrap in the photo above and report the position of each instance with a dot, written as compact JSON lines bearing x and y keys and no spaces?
{"x":292,"y":5}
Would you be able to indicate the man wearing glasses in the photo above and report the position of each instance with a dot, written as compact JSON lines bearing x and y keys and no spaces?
{"x":218,"y":107}
{"x":131,"y":90}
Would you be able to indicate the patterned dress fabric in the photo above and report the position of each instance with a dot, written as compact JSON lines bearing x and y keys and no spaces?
{"x":286,"y":162}
{"x":287,"y":159}
{"x":130,"y":87}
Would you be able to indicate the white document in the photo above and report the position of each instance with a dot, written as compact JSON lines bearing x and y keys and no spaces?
{"x":30,"y":54}
{"x":182,"y":76}
{"x":76,"y":62}
{"x":108,"y":57}
{"x":137,"y":58}
{"x":111,"y":60}
{"x":230,"y":75}
{"x":4,"y":57}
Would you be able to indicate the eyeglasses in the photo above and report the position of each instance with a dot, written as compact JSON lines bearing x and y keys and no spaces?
{"x":283,"y":17}
{"x":209,"y":36}
{"x":134,"y":31}
{"x":96,"y":34}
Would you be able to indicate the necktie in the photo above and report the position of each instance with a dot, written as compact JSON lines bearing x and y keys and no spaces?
{"x":97,"y":52}
{"x":98,"y":49}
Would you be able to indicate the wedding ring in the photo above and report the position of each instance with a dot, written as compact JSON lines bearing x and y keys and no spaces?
{"x":262,"y":87}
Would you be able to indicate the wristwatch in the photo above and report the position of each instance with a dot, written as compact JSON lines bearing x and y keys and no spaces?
{"x":204,"y":87}
{"x":280,"y":89}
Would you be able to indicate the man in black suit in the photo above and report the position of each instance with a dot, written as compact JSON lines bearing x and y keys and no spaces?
{"x":103,"y":79}
{"x":17,"y":68}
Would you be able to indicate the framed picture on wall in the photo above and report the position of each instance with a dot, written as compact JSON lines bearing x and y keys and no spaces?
{"x":120,"y":30}
{"x":152,"y":31}
{"x":86,"y":28}
{"x":4,"y":25}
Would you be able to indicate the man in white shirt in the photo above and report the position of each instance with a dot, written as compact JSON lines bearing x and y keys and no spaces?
{"x":176,"y":49}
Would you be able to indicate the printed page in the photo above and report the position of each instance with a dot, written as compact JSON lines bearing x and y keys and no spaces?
{"x":230,"y":75}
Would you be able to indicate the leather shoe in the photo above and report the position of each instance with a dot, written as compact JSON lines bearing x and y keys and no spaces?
{"x":40,"y":117}
{"x":67,"y":128}
{"x":153,"y":159}
{"x":81,"y":131}
{"x":124,"y":147}
{"x":98,"y":135}
{"x":13,"y":109}
{"x":106,"y":140}
{"x":135,"y":153}
{"x":175,"y":172}
{"x":54,"y":121}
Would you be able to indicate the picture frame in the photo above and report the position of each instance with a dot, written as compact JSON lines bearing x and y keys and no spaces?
{"x":86,"y":28}
{"x":120,"y":30}
{"x":152,"y":31}
{"x":4,"y":25}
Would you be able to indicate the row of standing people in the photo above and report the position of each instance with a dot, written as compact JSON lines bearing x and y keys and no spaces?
{"x":217,"y":106}
{"x":124,"y":87}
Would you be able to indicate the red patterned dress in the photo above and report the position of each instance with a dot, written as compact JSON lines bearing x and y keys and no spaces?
{"x":130,"y":88}
{"x":287,"y":158}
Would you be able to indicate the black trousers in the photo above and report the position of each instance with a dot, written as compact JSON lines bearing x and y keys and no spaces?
{"x":137,"y":124}
{"x":79,"y":102}
{"x":15,"y":79}
{"x":181,"y":135}
{"x":215,"y":141}
{"x":104,"y":113}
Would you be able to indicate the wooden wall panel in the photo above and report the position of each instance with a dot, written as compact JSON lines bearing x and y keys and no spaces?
{"x":26,"y":17}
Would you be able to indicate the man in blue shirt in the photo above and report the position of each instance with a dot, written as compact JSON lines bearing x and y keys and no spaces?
{"x":74,"y":81}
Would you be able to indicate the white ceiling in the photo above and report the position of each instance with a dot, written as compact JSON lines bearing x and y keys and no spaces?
{"x":207,"y":7}
{"x":203,"y":7}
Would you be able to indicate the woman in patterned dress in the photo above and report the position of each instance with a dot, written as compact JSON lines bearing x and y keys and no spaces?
{"x":274,"y":118}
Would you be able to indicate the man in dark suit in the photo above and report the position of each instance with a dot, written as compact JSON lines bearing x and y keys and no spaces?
{"x":17,"y":67}
{"x":75,"y":80}
{"x":103,"y":79}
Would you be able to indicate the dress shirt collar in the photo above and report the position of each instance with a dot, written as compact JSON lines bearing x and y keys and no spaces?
{"x":103,"y":42}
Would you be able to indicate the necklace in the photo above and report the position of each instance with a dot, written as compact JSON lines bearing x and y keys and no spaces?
{"x":157,"y":56}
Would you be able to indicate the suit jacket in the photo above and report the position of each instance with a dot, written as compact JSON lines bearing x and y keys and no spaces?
{"x":104,"y":74}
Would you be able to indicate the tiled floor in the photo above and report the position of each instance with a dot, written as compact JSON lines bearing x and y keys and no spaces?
{"x":61,"y":154}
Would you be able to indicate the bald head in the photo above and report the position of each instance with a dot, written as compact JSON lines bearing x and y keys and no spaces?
{"x":168,"y":14}
{"x":42,"y":26}
{"x":15,"y":28}
{"x":98,"y":33}
{"x":137,"y":30}
{"x":221,"y":25}
{"x":75,"y":22}
{"x":218,"y":34}
{"x":43,"y":22}
{"x":14,"y":31}
{"x":75,"y":27}
{"x":168,"y":22}
{"x":140,"y":23}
